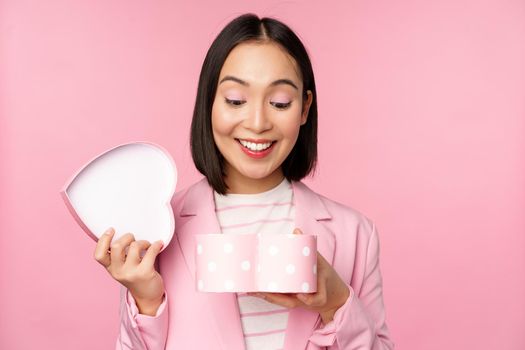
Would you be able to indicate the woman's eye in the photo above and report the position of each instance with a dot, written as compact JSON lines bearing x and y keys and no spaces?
{"x":281,"y":105}
{"x":234,"y":102}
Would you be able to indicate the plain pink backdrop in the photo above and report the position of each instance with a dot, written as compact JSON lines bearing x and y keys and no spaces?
{"x":422,"y":128}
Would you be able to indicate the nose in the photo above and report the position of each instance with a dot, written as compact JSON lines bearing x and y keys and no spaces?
{"x":257,"y":119}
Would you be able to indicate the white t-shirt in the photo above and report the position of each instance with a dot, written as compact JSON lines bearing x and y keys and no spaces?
{"x":270,"y":212}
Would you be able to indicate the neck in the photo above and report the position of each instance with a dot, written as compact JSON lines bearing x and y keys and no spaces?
{"x":237,"y":183}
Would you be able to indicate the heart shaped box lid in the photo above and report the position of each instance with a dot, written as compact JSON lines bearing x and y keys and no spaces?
{"x":128,"y":187}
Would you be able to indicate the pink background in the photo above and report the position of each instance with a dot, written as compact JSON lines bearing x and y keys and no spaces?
{"x":422,"y":113}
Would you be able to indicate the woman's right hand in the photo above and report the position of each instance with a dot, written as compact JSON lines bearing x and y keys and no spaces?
{"x":135,"y":273}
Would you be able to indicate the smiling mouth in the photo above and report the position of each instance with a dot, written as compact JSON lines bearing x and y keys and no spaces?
{"x":257,"y":146}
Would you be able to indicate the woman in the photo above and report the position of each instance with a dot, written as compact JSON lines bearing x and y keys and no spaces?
{"x":253,"y":137}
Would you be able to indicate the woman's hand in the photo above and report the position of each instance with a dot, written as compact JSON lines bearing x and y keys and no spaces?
{"x":135,"y":273}
{"x":332,"y":292}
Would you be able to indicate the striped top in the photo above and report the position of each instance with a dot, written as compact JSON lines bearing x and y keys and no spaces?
{"x":270,"y":212}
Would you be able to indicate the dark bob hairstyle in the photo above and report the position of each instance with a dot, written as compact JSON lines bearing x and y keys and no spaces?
{"x":248,"y":27}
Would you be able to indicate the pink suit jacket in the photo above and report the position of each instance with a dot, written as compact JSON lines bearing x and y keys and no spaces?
{"x":189,"y":319}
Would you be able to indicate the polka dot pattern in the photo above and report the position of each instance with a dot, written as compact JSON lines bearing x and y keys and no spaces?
{"x":281,"y":263}
{"x":228,"y":284}
{"x":245,"y":265}
{"x":306,"y":251}
{"x":305,"y":287}
{"x":228,"y":248}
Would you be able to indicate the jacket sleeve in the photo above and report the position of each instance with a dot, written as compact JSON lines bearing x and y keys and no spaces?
{"x":138,"y":331}
{"x":360,"y":322}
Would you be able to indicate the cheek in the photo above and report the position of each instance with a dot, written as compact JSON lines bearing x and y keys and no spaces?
{"x":222,"y":122}
{"x":290,"y":126}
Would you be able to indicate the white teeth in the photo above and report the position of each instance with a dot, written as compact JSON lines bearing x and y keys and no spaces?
{"x":255,"y":146}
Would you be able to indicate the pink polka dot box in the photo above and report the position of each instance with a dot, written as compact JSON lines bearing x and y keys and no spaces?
{"x":284,"y":263}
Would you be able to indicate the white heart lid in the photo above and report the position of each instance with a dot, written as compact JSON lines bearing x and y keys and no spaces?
{"x":129,"y":188}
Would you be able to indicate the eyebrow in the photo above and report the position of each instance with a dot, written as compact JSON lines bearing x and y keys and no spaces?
{"x":274,"y":83}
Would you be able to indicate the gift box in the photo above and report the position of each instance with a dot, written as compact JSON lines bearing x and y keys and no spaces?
{"x":280,"y":263}
{"x":128,"y":187}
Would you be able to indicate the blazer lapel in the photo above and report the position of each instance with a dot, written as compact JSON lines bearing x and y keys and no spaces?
{"x":309,"y":212}
{"x":199,"y":207}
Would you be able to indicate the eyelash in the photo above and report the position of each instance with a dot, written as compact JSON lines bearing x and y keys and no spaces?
{"x":278,"y":105}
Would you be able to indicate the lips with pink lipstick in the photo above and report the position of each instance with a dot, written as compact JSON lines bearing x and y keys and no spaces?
{"x":256,"y":148}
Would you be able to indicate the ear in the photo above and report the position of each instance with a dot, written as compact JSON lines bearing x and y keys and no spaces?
{"x":306,"y":106}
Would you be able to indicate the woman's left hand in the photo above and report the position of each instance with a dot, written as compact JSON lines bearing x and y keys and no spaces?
{"x":332,"y":292}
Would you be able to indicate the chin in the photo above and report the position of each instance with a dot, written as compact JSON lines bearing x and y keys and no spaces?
{"x":257,"y":174}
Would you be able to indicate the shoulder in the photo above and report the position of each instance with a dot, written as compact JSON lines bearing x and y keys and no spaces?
{"x":346,"y":211}
{"x":346,"y":215}
{"x":355,"y":234}
{"x":180,"y":196}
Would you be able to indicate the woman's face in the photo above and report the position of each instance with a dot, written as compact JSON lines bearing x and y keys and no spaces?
{"x":257,"y":112}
